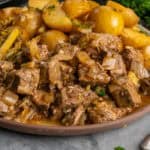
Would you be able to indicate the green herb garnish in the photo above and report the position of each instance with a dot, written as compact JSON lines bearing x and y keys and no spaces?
{"x":52,"y":7}
{"x":100,"y":91}
{"x":119,"y":148}
{"x":80,"y":24}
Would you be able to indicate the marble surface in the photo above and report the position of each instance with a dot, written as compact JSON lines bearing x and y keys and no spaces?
{"x":129,"y":137}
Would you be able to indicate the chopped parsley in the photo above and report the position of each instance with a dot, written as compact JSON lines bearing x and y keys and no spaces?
{"x":80,"y":24}
{"x":100,"y":91}
{"x":52,"y":7}
{"x":119,"y":148}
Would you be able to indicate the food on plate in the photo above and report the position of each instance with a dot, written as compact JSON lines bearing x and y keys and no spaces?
{"x":54,"y":17}
{"x":135,"y":38}
{"x":40,"y":4}
{"x":107,"y":20}
{"x":74,"y":63}
{"x":76,"y":8}
{"x":52,"y":37}
{"x":129,"y":16}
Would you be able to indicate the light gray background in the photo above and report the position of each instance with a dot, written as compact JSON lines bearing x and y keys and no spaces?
{"x":129,"y":137}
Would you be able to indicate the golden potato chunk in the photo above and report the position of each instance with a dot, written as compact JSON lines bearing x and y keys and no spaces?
{"x":40,"y":4}
{"x":76,"y":8}
{"x":55,"y":18}
{"x":129,"y":16}
{"x":134,"y":38}
{"x":107,"y":20}
{"x":52,"y":38}
{"x":30,"y":21}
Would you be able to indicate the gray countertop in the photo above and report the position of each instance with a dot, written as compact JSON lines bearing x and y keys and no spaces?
{"x":128,"y":137}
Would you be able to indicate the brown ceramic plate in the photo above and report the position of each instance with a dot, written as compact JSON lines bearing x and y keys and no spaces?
{"x":56,"y":130}
{"x":74,"y":130}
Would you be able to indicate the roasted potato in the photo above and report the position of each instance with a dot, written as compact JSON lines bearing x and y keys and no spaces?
{"x":135,"y":38}
{"x":107,"y":20}
{"x":55,"y":18}
{"x":129,"y":16}
{"x":116,"y":6}
{"x":76,"y":8}
{"x":52,"y":38}
{"x":40,"y":4}
{"x":30,"y":21}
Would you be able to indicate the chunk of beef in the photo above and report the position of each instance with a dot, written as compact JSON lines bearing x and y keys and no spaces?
{"x":57,"y":69}
{"x":67,"y":74}
{"x":10,"y":98}
{"x":44,"y":53}
{"x":8,"y":103}
{"x":75,"y":101}
{"x":145,"y":86}
{"x":131,"y":54}
{"x":91,"y":72}
{"x":139,"y":69}
{"x":75,"y":95}
{"x":27,"y":111}
{"x":124,"y":93}
{"x":78,"y":117}
{"x":60,"y":74}
{"x":54,"y":73}
{"x":3,"y":109}
{"x":114,"y":63}
{"x":29,"y":80}
{"x":44,"y":77}
{"x":94,"y":75}
{"x":65,"y":52}
{"x":5,"y":68}
{"x":101,"y":42}
{"x":43,"y":100}
{"x":135,"y":62}
{"x":37,"y":50}
{"x":105,"y":111}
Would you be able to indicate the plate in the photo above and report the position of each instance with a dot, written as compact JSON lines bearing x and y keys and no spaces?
{"x":54,"y":130}
{"x":73,"y":130}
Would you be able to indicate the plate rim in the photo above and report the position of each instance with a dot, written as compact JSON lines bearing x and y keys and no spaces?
{"x":73,"y":130}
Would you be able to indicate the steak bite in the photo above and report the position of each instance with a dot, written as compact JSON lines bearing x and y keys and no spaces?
{"x":75,"y":101}
{"x":135,"y":62}
{"x":5,"y":68}
{"x":8,"y":101}
{"x":101,"y":42}
{"x":43,"y":100}
{"x":124,"y":93}
{"x":105,"y":111}
{"x":91,"y":72}
{"x":27,"y":111}
{"x":57,"y":69}
{"x":114,"y":63}
{"x":28,"y":80}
